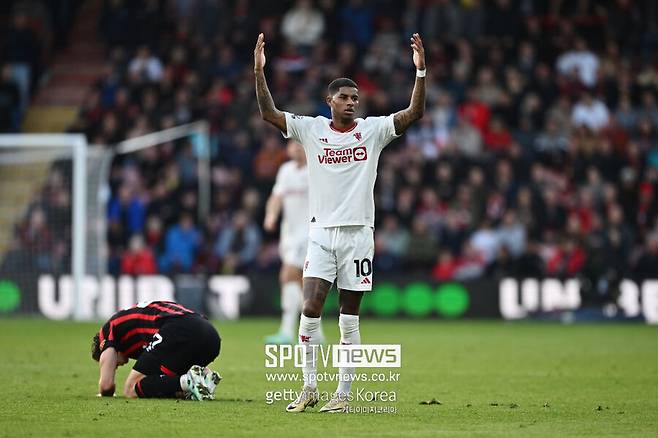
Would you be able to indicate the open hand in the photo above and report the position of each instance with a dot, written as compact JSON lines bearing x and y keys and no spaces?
{"x":419,"y":51}
{"x":259,"y":53}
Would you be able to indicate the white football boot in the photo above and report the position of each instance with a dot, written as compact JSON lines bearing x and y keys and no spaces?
{"x":211,"y":380}
{"x":197,"y":385}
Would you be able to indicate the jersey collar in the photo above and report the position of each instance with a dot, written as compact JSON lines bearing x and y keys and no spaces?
{"x":348,"y":129}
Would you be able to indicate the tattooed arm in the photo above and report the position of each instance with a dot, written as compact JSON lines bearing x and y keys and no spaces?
{"x":268,"y":111}
{"x":403,"y":119}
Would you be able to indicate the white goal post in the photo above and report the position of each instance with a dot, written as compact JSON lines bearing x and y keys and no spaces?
{"x":87,"y":169}
{"x":76,"y":146}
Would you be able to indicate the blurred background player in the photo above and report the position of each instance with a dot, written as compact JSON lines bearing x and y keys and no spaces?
{"x":343,"y":153}
{"x":290,"y":196}
{"x":171,"y":345}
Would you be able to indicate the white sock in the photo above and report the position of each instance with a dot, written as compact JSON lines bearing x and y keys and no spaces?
{"x":350,"y":335}
{"x":291,"y":303}
{"x":309,"y":329}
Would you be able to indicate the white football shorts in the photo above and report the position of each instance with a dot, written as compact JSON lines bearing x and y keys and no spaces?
{"x":341,"y":254}
{"x":293,"y":251}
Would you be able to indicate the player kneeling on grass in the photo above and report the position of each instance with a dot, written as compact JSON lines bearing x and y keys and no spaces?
{"x":172,"y":346}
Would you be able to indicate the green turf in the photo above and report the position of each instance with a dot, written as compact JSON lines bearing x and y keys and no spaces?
{"x":492,"y":378}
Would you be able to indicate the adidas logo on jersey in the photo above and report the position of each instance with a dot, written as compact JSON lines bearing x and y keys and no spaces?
{"x":366,"y":280}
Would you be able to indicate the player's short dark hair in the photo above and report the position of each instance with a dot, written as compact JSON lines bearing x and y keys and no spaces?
{"x":96,"y":347}
{"x":335,"y":85}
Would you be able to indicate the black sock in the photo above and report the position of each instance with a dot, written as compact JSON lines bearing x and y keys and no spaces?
{"x":158,"y":386}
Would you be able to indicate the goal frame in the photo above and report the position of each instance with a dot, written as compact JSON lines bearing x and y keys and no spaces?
{"x":90,"y":186}
{"x":77,"y":144}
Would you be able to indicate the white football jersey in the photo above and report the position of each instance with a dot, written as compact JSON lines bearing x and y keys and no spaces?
{"x":292,"y":185}
{"x":342,"y":167}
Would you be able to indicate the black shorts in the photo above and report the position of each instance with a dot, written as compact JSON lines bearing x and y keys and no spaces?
{"x":181,"y":342}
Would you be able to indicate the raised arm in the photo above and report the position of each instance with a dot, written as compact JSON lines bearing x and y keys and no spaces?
{"x":403,"y":119}
{"x":268,"y":111}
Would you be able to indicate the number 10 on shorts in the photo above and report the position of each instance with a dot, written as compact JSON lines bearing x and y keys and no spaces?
{"x":363,"y":267}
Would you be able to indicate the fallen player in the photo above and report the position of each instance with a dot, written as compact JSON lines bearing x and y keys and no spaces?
{"x":172,"y":346}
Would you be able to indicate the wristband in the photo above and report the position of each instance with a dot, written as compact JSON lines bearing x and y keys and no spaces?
{"x":421,"y":73}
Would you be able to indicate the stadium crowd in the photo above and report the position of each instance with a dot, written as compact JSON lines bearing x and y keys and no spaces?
{"x":537,"y":155}
{"x":30,"y":32}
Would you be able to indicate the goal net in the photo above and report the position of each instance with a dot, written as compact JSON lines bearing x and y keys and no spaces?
{"x":42,"y":214}
{"x":57,"y":212}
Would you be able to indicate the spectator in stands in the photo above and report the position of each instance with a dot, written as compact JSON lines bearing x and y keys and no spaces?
{"x":649,"y":108}
{"x":647,"y":209}
{"x":485,"y":241}
{"x":502,"y":21}
{"x":471,"y":264}
{"x":37,"y":238}
{"x":644,"y":134}
{"x":489,"y":92}
{"x":444,"y":119}
{"x":153,"y":233}
{"x":391,"y":244}
{"x":422,"y":247}
{"x":619,"y":239}
{"x":476,"y":112}
{"x":237,"y":244}
{"x":145,"y":66}
{"x":405,"y":206}
{"x":466,"y":139}
{"x":580,"y":60}
{"x":647,"y":264}
{"x":590,"y":112}
{"x":10,"y":100}
{"x":626,"y":115}
{"x":268,"y":159}
{"x":512,"y":234}
{"x":128,"y":208}
{"x":181,"y":244}
{"x":503,"y":265}
{"x":551,"y":145}
{"x":568,"y":259}
{"x":23,"y":52}
{"x":445,"y":267}
{"x":495,"y":82}
{"x":530,"y":264}
{"x":356,"y":20}
{"x":497,"y":138}
{"x":139,"y":259}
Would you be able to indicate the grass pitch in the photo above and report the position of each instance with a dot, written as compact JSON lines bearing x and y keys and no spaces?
{"x":491,"y":378}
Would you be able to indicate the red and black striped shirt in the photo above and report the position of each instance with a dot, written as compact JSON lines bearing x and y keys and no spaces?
{"x":129,"y":331}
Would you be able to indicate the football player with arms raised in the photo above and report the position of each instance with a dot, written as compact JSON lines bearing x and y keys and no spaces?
{"x":342,"y":155}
